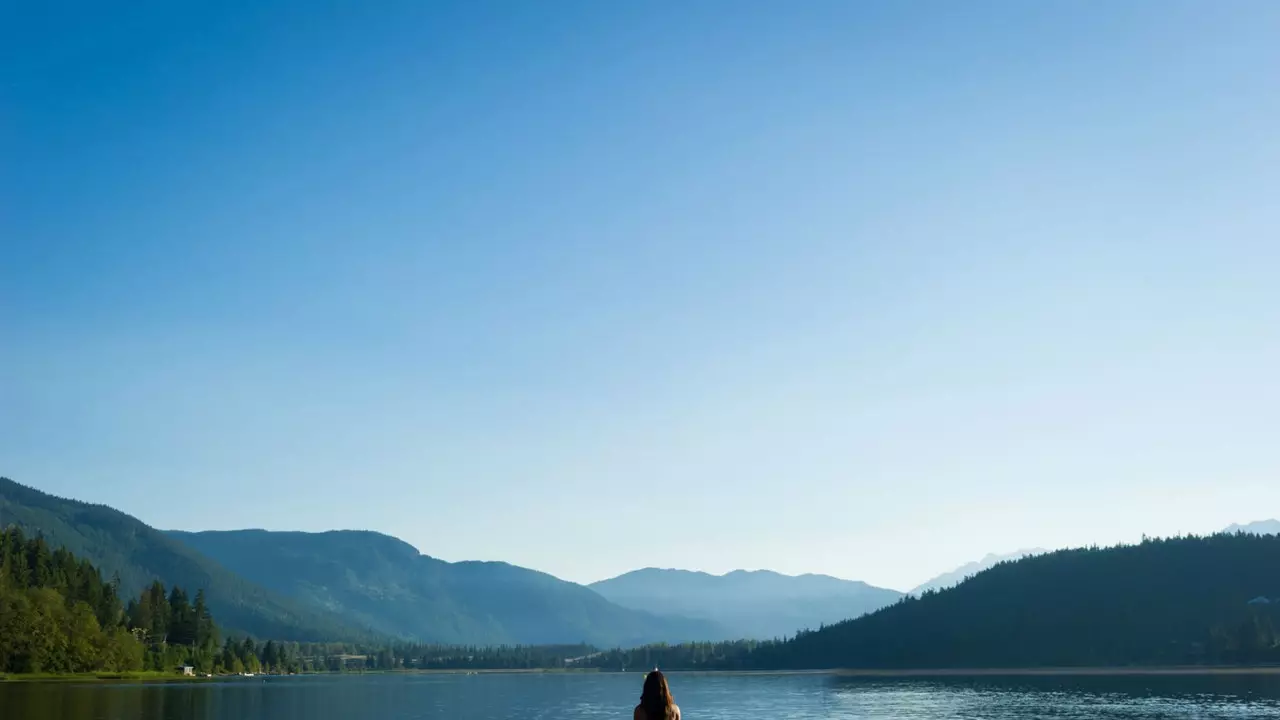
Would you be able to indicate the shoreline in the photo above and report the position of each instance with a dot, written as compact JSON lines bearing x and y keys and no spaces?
{"x":869,"y":673}
{"x":1170,"y":671}
{"x":140,"y":677}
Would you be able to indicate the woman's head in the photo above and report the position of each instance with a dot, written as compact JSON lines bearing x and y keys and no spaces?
{"x":656,"y":697}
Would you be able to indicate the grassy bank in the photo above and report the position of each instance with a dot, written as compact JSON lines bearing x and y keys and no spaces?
{"x":139,"y":676}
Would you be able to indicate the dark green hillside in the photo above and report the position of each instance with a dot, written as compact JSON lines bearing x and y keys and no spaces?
{"x":1179,"y":601}
{"x":123,"y":546}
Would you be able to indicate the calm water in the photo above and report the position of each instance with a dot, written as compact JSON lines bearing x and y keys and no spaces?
{"x":715,"y":697}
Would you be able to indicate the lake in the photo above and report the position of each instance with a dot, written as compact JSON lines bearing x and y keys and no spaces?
{"x":609,"y":695}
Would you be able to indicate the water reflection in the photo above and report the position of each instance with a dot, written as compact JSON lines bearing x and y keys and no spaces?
{"x":1117,"y":696}
{"x":612,"y":695}
{"x":1258,"y":686}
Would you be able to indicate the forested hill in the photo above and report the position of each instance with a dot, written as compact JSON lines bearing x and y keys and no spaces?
{"x":125,"y":547}
{"x":340,"y":585}
{"x":1191,"y":600}
{"x":386,"y":584}
{"x":59,"y":615}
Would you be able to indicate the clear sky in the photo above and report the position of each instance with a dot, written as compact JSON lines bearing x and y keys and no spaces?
{"x":863,"y":288}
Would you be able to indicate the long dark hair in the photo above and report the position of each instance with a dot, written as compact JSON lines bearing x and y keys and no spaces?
{"x":656,"y":698}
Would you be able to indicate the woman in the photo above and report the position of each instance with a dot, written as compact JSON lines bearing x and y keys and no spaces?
{"x":656,"y":702}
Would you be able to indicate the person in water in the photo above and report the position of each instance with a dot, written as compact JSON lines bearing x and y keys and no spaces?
{"x":656,"y":702}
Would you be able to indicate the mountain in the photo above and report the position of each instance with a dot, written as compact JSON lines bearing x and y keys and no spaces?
{"x":761,"y":604}
{"x":955,"y":577}
{"x":123,"y":546}
{"x":1187,"y":600}
{"x":386,"y":584}
{"x":1261,"y":527}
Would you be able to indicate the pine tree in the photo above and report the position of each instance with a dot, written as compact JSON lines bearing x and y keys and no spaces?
{"x":182,"y":619}
{"x":160,"y":615}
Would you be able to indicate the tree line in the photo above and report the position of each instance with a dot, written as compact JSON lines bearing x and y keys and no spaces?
{"x":1182,"y":601}
{"x":1190,"y":600}
{"x":1178,"y":601}
{"x":58,"y":615}
{"x":359,"y":657}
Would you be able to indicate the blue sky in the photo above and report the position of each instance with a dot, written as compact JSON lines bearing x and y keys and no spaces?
{"x":869,"y":289}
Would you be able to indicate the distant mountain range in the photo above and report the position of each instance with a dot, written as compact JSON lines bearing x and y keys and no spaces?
{"x":340,"y":585}
{"x":760,"y":604}
{"x":1260,"y":527}
{"x":957,"y":576}
{"x":355,"y":585}
{"x":384,"y":583}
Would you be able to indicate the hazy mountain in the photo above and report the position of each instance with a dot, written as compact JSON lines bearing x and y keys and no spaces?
{"x":955,"y":577}
{"x":1260,"y":527}
{"x":760,"y":604}
{"x":388,"y":585}
{"x":121,"y":545}
{"x":1178,"y":601}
